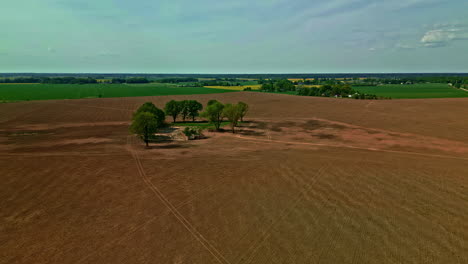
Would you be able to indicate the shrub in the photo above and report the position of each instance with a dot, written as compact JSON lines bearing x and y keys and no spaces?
{"x":193,"y":132}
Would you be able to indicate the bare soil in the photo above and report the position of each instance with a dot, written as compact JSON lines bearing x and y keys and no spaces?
{"x":304,"y":180}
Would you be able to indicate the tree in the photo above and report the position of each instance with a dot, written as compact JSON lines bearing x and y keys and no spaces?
{"x":284,"y":85}
{"x":243,"y":109}
{"x":232,"y":113}
{"x":214,"y":114}
{"x":193,"y":108}
{"x":144,"y":124}
{"x":173,"y":108}
{"x":184,"y":109}
{"x":212,"y":101}
{"x":151,"y":108}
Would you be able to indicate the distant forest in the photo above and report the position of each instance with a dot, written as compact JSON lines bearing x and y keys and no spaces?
{"x":250,"y":76}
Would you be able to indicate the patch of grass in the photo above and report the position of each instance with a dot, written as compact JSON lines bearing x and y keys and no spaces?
{"x":426,"y":90}
{"x":201,"y":124}
{"x":23,"y":92}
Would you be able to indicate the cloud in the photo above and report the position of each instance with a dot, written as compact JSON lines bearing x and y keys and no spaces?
{"x":444,"y":36}
{"x":404,"y":46}
{"x":107,"y":53}
{"x":344,"y":8}
{"x":417,"y":4}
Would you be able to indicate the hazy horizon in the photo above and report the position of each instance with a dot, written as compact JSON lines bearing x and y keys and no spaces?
{"x":241,"y":37}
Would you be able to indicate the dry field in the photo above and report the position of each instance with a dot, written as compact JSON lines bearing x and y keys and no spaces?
{"x":306,"y":180}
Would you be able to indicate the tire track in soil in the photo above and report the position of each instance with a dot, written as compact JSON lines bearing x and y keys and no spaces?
{"x":253,"y":249}
{"x":128,"y":235}
{"x":190,"y":228}
{"x":139,"y":227}
{"x":92,"y":106}
{"x":307,"y":189}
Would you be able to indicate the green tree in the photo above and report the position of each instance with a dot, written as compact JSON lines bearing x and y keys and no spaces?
{"x":284,"y":85}
{"x":214,"y":114}
{"x":144,"y":125}
{"x":232,"y":113}
{"x":193,"y":108}
{"x":173,"y":108}
{"x":151,"y":108}
{"x":212,"y":101}
{"x":184,"y":109}
{"x":243,"y":109}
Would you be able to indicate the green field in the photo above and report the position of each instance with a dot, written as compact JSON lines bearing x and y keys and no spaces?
{"x":22,"y":92}
{"x":426,"y":90}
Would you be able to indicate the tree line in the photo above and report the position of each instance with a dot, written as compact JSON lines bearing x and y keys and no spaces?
{"x":148,"y":118}
{"x":130,"y":80}
{"x":177,"y":80}
{"x":282,"y":85}
{"x":70,"y":80}
{"x":48,"y":80}
{"x":339,"y":89}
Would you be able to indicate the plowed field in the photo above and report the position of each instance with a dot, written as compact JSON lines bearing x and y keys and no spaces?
{"x":305,"y":180}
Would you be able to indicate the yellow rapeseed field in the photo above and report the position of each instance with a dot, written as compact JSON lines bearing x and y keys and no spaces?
{"x":311,"y":86}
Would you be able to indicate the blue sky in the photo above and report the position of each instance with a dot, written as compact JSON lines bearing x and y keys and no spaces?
{"x":243,"y":36}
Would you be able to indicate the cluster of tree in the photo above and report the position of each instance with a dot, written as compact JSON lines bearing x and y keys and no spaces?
{"x":47,"y":80}
{"x":70,"y":80}
{"x":146,"y":121}
{"x":219,"y":83}
{"x":130,"y":80}
{"x":207,"y":83}
{"x":411,"y":80}
{"x":21,"y":80}
{"x":282,"y":85}
{"x":177,"y":80}
{"x":319,"y":81}
{"x":338,"y":90}
{"x":459,"y":84}
{"x":368,"y":96}
{"x":327,"y":90}
{"x":216,"y":112}
{"x":148,"y":118}
{"x":184,"y":109}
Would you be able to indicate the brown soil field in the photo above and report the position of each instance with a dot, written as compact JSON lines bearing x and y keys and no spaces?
{"x":305,"y":180}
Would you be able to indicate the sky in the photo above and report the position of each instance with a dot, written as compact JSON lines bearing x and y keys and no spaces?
{"x":241,"y":36}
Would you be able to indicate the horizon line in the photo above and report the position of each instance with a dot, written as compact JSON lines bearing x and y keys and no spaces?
{"x":238,"y":73}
